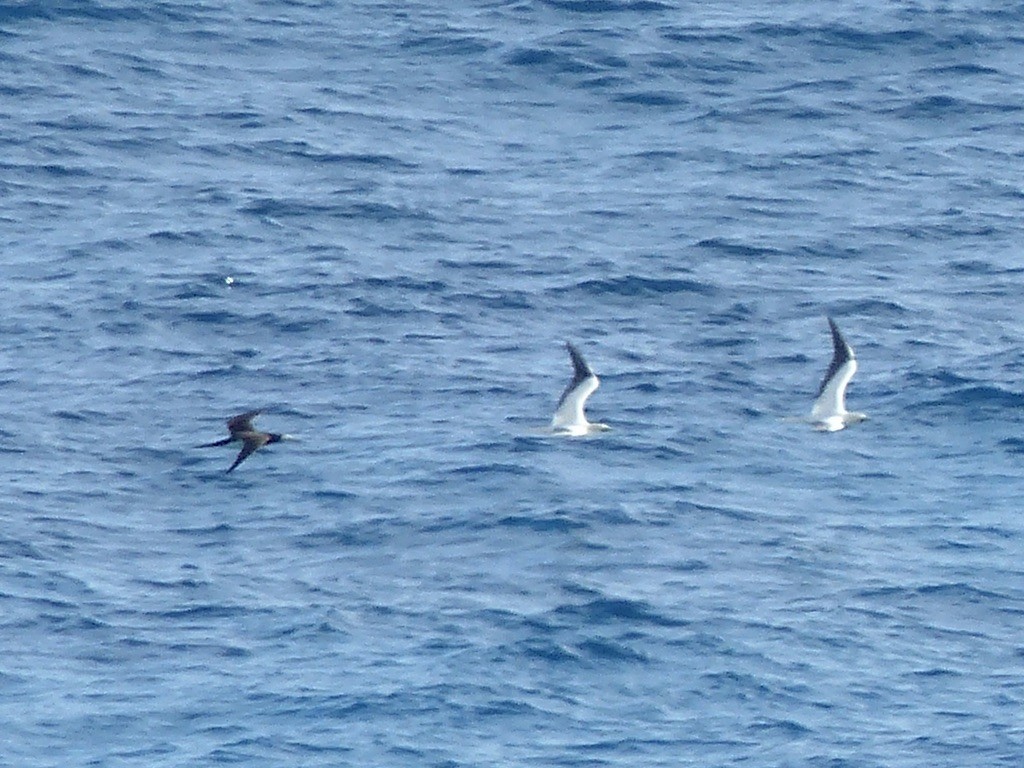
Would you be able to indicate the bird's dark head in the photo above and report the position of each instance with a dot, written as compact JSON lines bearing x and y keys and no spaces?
{"x":275,"y":438}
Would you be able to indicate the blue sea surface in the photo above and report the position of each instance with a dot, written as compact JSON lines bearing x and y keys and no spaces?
{"x":379,"y":222}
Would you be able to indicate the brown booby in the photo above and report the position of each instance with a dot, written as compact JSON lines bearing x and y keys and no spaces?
{"x":241,"y":430}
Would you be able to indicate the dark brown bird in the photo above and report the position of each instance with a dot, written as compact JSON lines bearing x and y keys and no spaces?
{"x":241,"y":429}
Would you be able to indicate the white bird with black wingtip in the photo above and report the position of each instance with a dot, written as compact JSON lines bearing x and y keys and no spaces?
{"x":569,"y":419}
{"x":829,"y":413}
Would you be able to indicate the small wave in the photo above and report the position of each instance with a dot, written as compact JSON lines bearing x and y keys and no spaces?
{"x":64,"y":171}
{"x":212,"y":317}
{"x":741,"y":250}
{"x":446,"y":45}
{"x":987,"y":268}
{"x":479,"y":470}
{"x":548,"y":524}
{"x":981,"y":396}
{"x":835,"y":36}
{"x":965,"y":69}
{"x":11,"y":549}
{"x":20,"y":12}
{"x":936,"y":672}
{"x":961,"y":590}
{"x":608,"y":6}
{"x":602,"y":649}
{"x":274,"y":209}
{"x":346,"y":538}
{"x":634,"y":286}
{"x":949,"y":592}
{"x":651,"y":99}
{"x":790,"y":728}
{"x":547,"y":650}
{"x":550,"y":60}
{"x":304,"y":150}
{"x":610,"y":610}
{"x":1013,"y":445}
{"x":204,"y":611}
{"x":875,"y":308}
{"x":942,"y":106}
{"x":403,"y":283}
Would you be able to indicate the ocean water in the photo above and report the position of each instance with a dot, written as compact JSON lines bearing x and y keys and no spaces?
{"x":379,"y":222}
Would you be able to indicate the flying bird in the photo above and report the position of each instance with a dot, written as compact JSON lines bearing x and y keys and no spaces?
{"x":569,"y":418}
{"x":829,"y":413}
{"x":240,"y":429}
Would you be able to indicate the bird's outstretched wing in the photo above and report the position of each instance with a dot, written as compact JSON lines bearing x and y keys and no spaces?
{"x":831,"y":397}
{"x":250,"y":443}
{"x":242,"y":422}
{"x":570,"y":405}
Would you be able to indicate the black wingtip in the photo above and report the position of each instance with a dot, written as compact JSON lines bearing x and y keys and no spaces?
{"x":842,"y":349}
{"x":841,"y":352}
{"x":579,"y":366}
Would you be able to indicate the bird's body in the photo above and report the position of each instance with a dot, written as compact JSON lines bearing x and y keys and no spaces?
{"x":829,"y":412}
{"x":240,"y":429}
{"x":570,"y":419}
